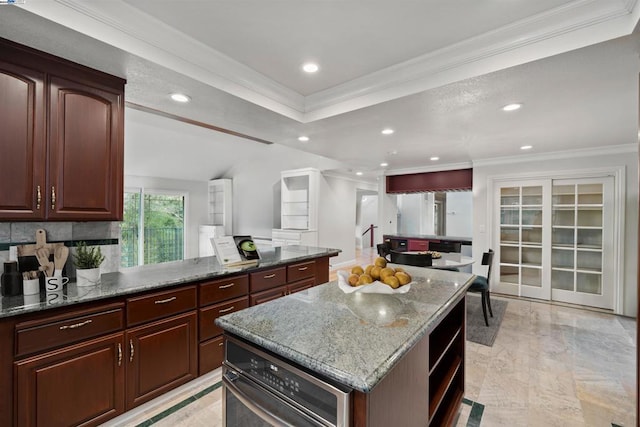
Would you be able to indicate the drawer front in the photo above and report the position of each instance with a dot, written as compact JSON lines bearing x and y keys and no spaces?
{"x":161,"y":304}
{"x":301,"y":271}
{"x":418,"y":245}
{"x":267,"y":279}
{"x":207,"y":316}
{"x":32,"y":337}
{"x":223,"y":289}
{"x":211,"y":355}
{"x":266,"y":296}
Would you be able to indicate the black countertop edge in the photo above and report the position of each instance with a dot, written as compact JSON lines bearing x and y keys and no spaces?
{"x":463,"y":240}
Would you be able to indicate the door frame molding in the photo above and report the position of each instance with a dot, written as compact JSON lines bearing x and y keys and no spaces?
{"x":619,"y":193}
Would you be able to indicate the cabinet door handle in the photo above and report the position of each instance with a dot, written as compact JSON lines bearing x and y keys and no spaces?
{"x":226,"y":309}
{"x":270,"y":276}
{"x":75,"y":325}
{"x":53,"y":197}
{"x":38,"y":198}
{"x":131,"y":351}
{"x":119,"y":354}
{"x":164,"y":301}
{"x":221,"y":344}
{"x":226,"y":286}
{"x":302,"y":268}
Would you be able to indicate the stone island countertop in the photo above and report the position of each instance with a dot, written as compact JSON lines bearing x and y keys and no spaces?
{"x":356,"y":338}
{"x":156,"y":276}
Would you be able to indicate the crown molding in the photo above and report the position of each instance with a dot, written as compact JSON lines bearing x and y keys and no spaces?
{"x":569,"y":154}
{"x":116,"y":23}
{"x":574,"y":25}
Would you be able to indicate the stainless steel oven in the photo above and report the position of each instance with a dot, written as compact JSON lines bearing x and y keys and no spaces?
{"x":260,"y":389}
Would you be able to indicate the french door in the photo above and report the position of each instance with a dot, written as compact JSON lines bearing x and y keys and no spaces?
{"x":555,"y":240}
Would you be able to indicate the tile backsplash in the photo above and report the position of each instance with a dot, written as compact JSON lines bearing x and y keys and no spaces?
{"x":103,"y":234}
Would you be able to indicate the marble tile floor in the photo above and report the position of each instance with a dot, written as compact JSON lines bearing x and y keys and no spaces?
{"x":550,"y":365}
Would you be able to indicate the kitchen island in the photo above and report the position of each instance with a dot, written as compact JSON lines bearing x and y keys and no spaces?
{"x":401,"y":354}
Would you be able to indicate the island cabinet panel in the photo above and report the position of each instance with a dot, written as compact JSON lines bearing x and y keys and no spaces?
{"x":392,"y":402}
{"x":267,"y":279}
{"x":160,"y":304}
{"x":76,"y":385}
{"x":160,"y":356}
{"x":446,"y":366}
{"x":300,"y":285}
{"x":22,"y":142}
{"x":62,"y":139}
{"x":433,"y":370}
{"x":214,"y":291}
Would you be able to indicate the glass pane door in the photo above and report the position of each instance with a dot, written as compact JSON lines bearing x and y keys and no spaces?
{"x":582,"y":241}
{"x":521,"y":239}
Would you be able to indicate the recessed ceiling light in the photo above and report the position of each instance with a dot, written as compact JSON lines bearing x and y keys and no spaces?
{"x":310,"y":67}
{"x":387,"y":131}
{"x":180,"y":97}
{"x":303,"y":138}
{"x":526,"y":147}
{"x":434,"y":158}
{"x":384,"y":164}
{"x":511,"y":107}
{"x":358,"y":173}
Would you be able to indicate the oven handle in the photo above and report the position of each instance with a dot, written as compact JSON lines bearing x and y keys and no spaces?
{"x":256,"y":408}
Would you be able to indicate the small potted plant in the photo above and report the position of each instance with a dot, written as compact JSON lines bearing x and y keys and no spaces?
{"x":87,"y":261}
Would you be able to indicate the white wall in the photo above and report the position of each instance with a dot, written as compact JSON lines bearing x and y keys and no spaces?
{"x":368,"y":215}
{"x":459,"y":214}
{"x":197,"y":200}
{"x":409,"y":206}
{"x":627,"y":156}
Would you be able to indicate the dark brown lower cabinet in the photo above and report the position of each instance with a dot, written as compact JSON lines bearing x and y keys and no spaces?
{"x":160,"y":356}
{"x":211,"y":355}
{"x":81,"y":384}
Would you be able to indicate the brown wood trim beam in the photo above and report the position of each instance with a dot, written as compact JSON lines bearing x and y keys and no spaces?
{"x":451,"y":180}
{"x":195,"y":122}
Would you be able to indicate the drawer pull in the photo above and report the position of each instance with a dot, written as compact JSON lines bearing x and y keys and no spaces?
{"x":119,"y":354}
{"x":270,"y":276}
{"x":224,"y":310}
{"x":164,"y":301}
{"x":75,"y":325}
{"x":226,"y":286}
{"x":302,"y":268}
{"x":131,"y":350}
{"x":221,"y":344}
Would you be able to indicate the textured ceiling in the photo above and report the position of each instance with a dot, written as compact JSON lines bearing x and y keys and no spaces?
{"x":583,"y":98}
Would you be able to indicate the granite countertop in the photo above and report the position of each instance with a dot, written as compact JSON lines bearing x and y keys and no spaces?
{"x":354,"y":339}
{"x":464,"y":240}
{"x":156,"y":276}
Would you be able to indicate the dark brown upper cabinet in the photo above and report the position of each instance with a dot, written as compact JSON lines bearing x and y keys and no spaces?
{"x":62,"y":139}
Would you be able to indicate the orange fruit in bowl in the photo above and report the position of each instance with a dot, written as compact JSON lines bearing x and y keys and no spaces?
{"x":381,"y":262}
{"x":357,"y":270}
{"x":353,"y":279}
{"x":364,"y":279}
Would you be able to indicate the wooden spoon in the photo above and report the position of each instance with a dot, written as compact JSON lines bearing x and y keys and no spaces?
{"x":42,"y":255}
{"x":60,"y":255}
